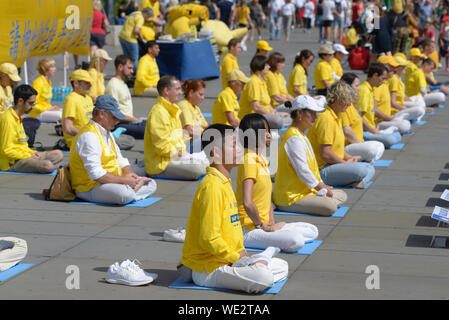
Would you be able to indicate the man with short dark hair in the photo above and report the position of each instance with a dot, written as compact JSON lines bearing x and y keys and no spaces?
{"x":99,"y":172}
{"x":165,"y":149}
{"x":147,"y":74}
{"x":15,"y":155}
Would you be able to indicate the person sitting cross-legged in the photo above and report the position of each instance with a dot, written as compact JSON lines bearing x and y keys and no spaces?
{"x":99,"y":172}
{"x":213,"y":253}
{"x":15,"y":155}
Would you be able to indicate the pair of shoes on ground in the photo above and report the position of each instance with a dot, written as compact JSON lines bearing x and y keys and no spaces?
{"x":129,"y":273}
{"x":175,"y":235}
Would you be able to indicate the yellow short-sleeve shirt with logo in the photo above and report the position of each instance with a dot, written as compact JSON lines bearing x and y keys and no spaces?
{"x":327,"y":130}
{"x":383,"y":98}
{"x":214,"y":234}
{"x":365,"y":102}
{"x":323,"y":71}
{"x":228,"y":64}
{"x":134,"y":20}
{"x":414,"y":82}
{"x":336,"y":66}
{"x":298,"y":77}
{"x":254,"y":167}
{"x":242,"y":13}
{"x":225,"y":102}
{"x":351,"y":118}
{"x":255,"y":90}
{"x":44,"y":95}
{"x":79,"y":108}
{"x":276,"y":85}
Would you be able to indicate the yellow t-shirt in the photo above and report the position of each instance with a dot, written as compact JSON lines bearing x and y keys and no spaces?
{"x":134,"y":20}
{"x":255,"y":168}
{"x":298,"y":77}
{"x":323,"y":71}
{"x":44,"y":95}
{"x":336,"y":66}
{"x":147,"y":75}
{"x":228,"y":64}
{"x":255,"y":90}
{"x":80,"y":109}
{"x":351,"y":38}
{"x":6,"y":98}
{"x":351,"y":118}
{"x":13,"y":140}
{"x":395,"y":84}
{"x":365,"y":103}
{"x":288,"y":187}
{"x":191,"y":116}
{"x":242,"y":13}
{"x":327,"y":130}
{"x":154,"y":5}
{"x":411,"y":67}
{"x":225,"y":102}
{"x":276,"y":85}
{"x":163,"y":136}
{"x":98,"y":88}
{"x":214,"y":234}
{"x":414,"y":82}
{"x":383,"y":98}
{"x":397,"y":5}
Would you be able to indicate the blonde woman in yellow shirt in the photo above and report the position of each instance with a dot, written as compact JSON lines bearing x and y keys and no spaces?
{"x":254,"y":188}
{"x":43,"y":109}
{"x":298,"y":185}
{"x":214,"y":254}
{"x":230,"y":61}
{"x":97,"y":66}
{"x":256,"y":99}
{"x":192,"y":120}
{"x":297,"y":82}
{"x":275,"y":81}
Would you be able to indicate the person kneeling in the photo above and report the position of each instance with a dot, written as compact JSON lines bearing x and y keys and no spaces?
{"x":98,"y":170}
{"x":213,"y":249}
{"x":15,"y":155}
{"x":298,"y":186}
{"x":254,"y":188}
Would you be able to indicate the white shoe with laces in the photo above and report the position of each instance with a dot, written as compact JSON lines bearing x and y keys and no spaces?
{"x":175,"y":235}
{"x":129,"y":273}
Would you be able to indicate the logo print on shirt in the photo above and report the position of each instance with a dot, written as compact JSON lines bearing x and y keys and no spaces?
{"x":235,"y":218}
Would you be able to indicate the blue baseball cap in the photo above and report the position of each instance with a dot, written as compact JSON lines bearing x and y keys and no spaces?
{"x":107,"y":102}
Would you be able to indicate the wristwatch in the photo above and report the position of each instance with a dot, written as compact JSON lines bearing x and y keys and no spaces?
{"x":259,"y":226}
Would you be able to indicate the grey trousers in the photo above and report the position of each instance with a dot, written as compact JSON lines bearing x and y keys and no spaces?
{"x":183,"y":170}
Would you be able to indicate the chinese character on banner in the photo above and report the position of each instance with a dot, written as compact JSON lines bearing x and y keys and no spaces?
{"x":14,"y":44}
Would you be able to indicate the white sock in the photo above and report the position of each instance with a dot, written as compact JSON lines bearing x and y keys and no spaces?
{"x":266,"y":255}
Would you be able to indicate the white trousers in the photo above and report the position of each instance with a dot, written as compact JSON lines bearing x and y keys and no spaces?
{"x":252,"y":279}
{"x":416,"y":101}
{"x":368,"y":150}
{"x":113,"y":193}
{"x":183,"y":170}
{"x":402,"y":124}
{"x":290,"y":238}
{"x":11,"y":257}
{"x":50,"y":116}
{"x":434,"y":98}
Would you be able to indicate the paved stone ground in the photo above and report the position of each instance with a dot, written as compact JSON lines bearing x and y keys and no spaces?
{"x":374,"y":231}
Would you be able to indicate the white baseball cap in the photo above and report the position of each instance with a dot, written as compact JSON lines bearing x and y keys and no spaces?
{"x":306,"y":102}
{"x":340,"y":48}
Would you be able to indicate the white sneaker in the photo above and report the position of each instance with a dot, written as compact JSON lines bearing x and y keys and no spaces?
{"x":175,"y":235}
{"x":129,"y":273}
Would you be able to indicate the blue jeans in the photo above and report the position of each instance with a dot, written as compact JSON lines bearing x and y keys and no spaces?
{"x":387,"y":139}
{"x":342,"y":174}
{"x":132,"y":50}
{"x":275,"y":33}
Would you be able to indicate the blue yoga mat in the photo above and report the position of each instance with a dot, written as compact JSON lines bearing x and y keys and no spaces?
{"x":340,"y":213}
{"x":383,"y":163}
{"x":53,"y":173}
{"x":430,"y":113}
{"x":181,"y":284}
{"x":419,"y":123}
{"x":138,"y":204}
{"x":207,"y":115}
{"x":397,"y":146}
{"x":13,"y":271}
{"x":307,"y":249}
{"x":407,"y":133}
{"x":441,"y":106}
